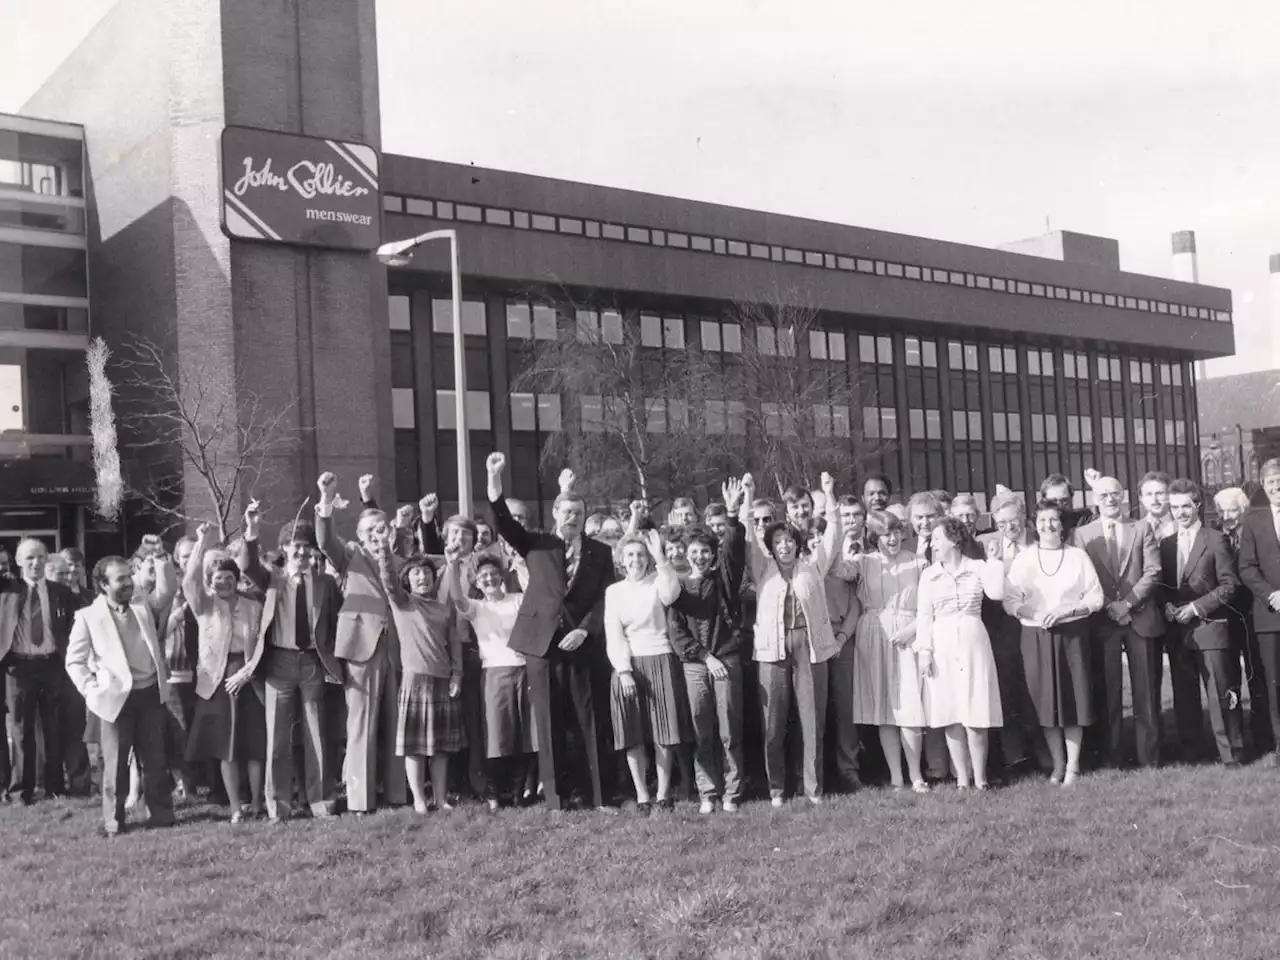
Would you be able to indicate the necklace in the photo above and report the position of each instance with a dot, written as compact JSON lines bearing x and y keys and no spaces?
{"x":1062,"y":558}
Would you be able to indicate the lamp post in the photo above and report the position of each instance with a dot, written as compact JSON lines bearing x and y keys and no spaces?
{"x":398,"y":254}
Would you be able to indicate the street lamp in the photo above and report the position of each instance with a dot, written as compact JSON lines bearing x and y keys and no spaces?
{"x":398,"y":254}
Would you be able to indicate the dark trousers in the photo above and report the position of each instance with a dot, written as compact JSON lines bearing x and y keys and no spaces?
{"x":560,"y":686}
{"x":1269,"y":654}
{"x":1245,"y":646}
{"x":75,"y":755}
{"x":1110,"y":640}
{"x":1219,"y":672}
{"x":1184,"y":678}
{"x":138,"y":727}
{"x":35,"y":691}
{"x":1020,"y":737}
{"x":469,"y":764}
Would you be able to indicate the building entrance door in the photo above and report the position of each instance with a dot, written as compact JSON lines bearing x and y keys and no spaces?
{"x":18,"y":523}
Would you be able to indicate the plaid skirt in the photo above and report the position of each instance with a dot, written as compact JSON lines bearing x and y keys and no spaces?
{"x":658,"y":712}
{"x":428,"y":720}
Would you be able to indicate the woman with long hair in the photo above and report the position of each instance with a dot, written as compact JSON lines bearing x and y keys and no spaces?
{"x":1052,"y":588}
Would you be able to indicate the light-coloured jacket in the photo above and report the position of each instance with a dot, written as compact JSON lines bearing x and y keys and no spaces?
{"x":96,"y":660}
{"x":808,"y":581}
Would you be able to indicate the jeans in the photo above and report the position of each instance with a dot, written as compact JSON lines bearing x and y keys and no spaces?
{"x":716,"y":706}
{"x":807,"y":682}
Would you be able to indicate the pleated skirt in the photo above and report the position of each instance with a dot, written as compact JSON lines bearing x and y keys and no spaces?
{"x":1056,"y":666}
{"x":658,"y":712}
{"x":227,"y":728}
{"x":428,"y":720}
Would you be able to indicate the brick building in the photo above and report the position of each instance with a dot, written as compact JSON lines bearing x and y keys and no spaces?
{"x":980,"y":366}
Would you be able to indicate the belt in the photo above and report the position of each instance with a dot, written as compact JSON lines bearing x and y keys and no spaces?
{"x":35,"y":657}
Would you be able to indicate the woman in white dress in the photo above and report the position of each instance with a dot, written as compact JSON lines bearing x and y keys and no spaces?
{"x":1052,"y":589}
{"x":886,"y":674}
{"x":961,"y":692}
{"x":649,"y":704}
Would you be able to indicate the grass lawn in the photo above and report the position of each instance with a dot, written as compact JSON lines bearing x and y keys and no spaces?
{"x":1181,"y":862}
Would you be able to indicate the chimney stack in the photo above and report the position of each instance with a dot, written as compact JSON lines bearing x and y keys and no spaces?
{"x":1185,"y":266}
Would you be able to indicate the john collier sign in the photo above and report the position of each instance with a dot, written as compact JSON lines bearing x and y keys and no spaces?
{"x":283,"y":188}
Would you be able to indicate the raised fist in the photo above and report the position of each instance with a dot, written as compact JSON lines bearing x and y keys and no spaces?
{"x":207,"y":534}
{"x":429,"y":504}
{"x":567,"y":480}
{"x":749,"y":484}
{"x":328,"y":486}
{"x":827,"y":483}
{"x":252,"y":517}
{"x":368,"y":488}
{"x":638,"y":508}
{"x":496,"y":463}
{"x":404,"y":516}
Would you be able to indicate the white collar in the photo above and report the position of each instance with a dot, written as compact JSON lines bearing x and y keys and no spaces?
{"x":1191,"y":531}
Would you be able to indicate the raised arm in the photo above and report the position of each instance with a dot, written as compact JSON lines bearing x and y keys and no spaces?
{"x":331,"y":545}
{"x":756,"y":555}
{"x":387,"y":574}
{"x":193,"y":587}
{"x":833,"y":534}
{"x":456,"y":592}
{"x":668,"y":582}
{"x":509,"y":529}
{"x":253,"y":567}
{"x":430,"y":535}
{"x":166,"y":586}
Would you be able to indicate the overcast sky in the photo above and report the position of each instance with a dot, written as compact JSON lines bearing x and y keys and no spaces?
{"x":963,"y":121}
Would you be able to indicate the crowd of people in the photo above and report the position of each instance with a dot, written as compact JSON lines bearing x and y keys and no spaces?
{"x":620,"y":662}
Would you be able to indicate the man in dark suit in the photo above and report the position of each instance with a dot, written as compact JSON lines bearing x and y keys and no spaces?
{"x":1260,"y":572}
{"x":560,"y":630}
{"x":73,"y":716}
{"x":1198,"y":580}
{"x":1127,"y":560}
{"x":35,"y":625}
{"x":1232,"y":505}
{"x":292,"y":657}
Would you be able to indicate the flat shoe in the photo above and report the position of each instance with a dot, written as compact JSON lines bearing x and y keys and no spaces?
{"x":920,"y":787}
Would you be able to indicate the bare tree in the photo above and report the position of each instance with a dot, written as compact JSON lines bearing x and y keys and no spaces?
{"x":203,"y":427}
{"x":800,"y":395}
{"x":635,"y":403}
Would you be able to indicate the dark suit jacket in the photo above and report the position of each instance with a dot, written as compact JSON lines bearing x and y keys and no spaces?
{"x":1260,"y":566}
{"x":62,"y":611}
{"x":1208,"y":580}
{"x":326,"y":600}
{"x":1139,"y":573}
{"x":551,"y":608}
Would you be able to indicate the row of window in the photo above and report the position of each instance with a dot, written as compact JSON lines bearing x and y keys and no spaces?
{"x":650,"y":236}
{"x":539,"y":321}
{"x":924,"y":424}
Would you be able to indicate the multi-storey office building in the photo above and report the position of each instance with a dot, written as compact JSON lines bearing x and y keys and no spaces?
{"x":974,"y":367}
{"x":46,"y":476}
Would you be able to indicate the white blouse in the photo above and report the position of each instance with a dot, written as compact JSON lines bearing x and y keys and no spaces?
{"x":635,"y":617}
{"x":1036,"y":580}
{"x":493,"y":621}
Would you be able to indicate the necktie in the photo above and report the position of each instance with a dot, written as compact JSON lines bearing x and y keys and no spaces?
{"x":35,"y":621}
{"x":1113,"y":546}
{"x":570,"y":562}
{"x":301,"y":615}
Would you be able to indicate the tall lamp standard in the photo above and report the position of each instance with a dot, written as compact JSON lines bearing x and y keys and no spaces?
{"x":398,"y":254}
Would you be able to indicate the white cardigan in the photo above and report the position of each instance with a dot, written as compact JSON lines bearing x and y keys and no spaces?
{"x":808,"y":582}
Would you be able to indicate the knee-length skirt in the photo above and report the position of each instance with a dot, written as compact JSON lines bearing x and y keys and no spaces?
{"x":1056,"y":669}
{"x":658,"y":712}
{"x":508,"y":713}
{"x":964,"y":688}
{"x":227,"y":728}
{"x":428,"y":720}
